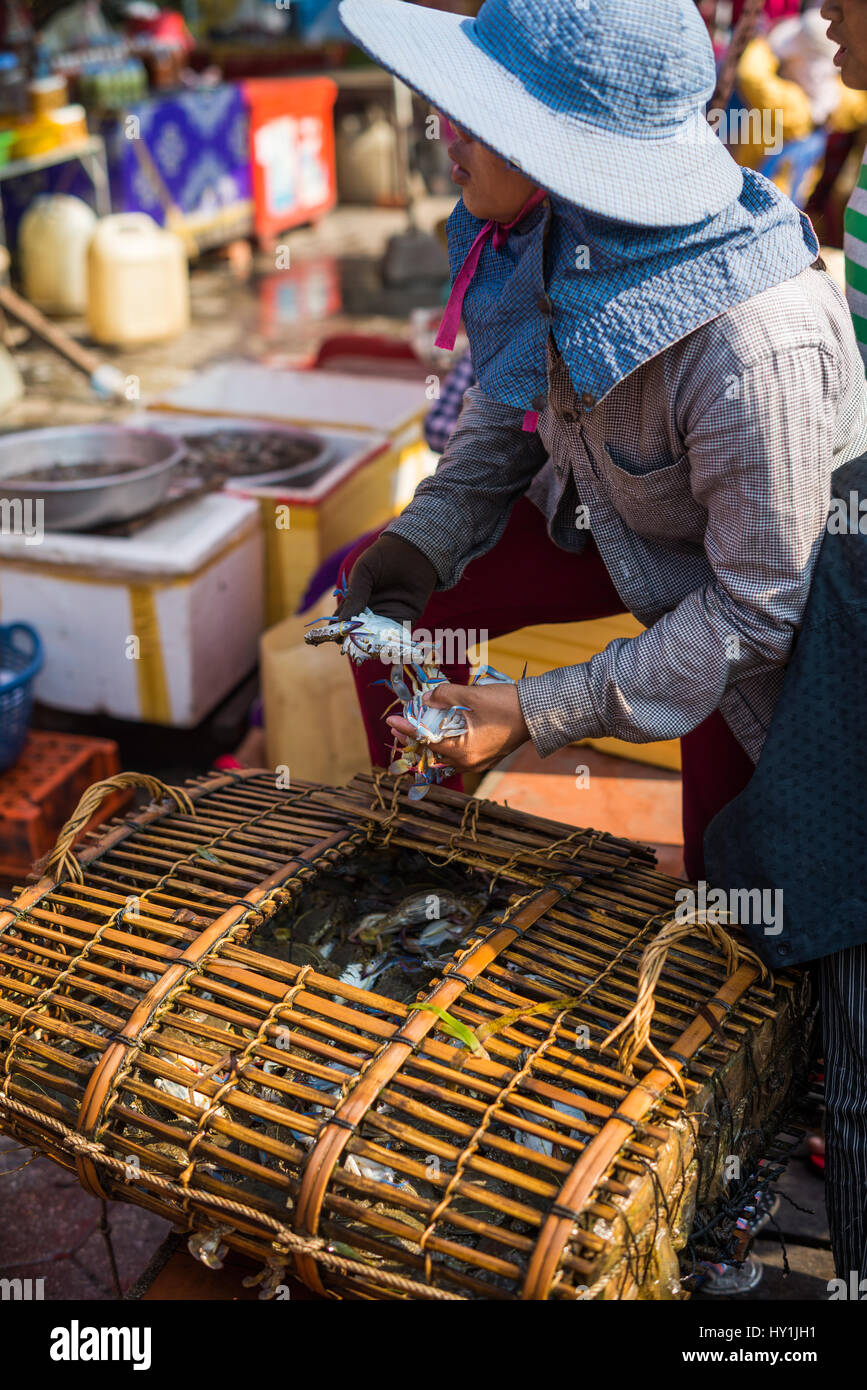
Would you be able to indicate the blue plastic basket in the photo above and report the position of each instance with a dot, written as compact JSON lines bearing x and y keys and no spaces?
{"x":20,"y":662}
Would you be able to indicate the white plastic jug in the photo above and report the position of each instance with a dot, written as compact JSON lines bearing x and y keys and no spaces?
{"x":52,"y":243}
{"x":138,"y":281}
{"x":367,"y":160}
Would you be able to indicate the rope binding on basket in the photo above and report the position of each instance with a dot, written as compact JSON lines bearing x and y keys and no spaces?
{"x":640,"y":1016}
{"x":61,"y":863}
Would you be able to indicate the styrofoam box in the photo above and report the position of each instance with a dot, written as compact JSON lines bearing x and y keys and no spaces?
{"x":348,"y":450}
{"x":187,"y":589}
{"x":307,"y":399}
{"x":368,"y":479}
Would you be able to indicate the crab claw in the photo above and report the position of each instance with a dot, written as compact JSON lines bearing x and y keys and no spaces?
{"x":489,"y":675}
{"x":334,"y":630}
{"x":352,"y":641}
{"x":425,"y":677}
{"x":399,"y":685}
{"x":344,"y":624}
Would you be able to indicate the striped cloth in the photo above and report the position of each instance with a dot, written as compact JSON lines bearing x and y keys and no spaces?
{"x":855,"y":246}
{"x":843,"y":998}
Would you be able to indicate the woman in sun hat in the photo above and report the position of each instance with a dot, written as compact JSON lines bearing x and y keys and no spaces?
{"x":666,"y":381}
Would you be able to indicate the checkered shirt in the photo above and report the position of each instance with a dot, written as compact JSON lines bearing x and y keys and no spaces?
{"x":705,"y":477}
{"x":443,"y":416}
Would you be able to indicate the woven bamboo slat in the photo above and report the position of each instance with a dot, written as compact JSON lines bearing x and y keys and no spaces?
{"x":343,"y":1136}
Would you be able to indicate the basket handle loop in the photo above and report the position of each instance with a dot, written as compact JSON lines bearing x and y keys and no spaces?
{"x":649,"y":971}
{"x":61,"y":863}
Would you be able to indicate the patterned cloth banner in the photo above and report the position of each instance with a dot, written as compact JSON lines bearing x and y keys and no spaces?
{"x":198,"y":142}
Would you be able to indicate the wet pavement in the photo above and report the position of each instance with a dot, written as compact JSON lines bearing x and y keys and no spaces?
{"x":242,"y":307}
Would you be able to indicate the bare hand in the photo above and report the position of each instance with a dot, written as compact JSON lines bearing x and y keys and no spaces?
{"x":495,"y":725}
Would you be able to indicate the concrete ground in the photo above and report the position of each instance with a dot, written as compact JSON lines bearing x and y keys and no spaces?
{"x":49,"y":1228}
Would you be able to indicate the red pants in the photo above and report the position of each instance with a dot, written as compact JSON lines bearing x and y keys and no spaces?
{"x":526,"y":580}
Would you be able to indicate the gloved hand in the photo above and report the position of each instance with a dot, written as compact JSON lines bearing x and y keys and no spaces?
{"x":393,"y":578}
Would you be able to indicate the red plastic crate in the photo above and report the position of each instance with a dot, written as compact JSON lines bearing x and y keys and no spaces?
{"x":42,"y":790}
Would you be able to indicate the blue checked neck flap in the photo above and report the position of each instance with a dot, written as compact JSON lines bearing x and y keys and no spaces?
{"x":613,"y":294}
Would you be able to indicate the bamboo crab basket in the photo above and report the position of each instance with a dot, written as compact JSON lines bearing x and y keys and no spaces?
{"x":338,"y":1136}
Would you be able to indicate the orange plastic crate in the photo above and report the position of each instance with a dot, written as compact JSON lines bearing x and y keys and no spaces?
{"x":42,"y":790}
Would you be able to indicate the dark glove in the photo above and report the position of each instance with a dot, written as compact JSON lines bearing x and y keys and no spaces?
{"x":393,"y":578}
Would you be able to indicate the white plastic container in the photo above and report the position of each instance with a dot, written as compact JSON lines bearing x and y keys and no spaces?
{"x":158,"y":626}
{"x":138,"y":282}
{"x":52,"y":242}
{"x":379,"y":456}
{"x":11,"y":385}
{"x":367,"y":160}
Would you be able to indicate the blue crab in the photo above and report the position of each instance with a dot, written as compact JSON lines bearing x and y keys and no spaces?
{"x":368,"y":636}
{"x":430,"y":723}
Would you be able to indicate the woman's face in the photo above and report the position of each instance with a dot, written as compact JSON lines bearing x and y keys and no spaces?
{"x":491,"y":188}
{"x":848,"y":28}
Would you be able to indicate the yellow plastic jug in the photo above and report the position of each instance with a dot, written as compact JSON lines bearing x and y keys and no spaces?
{"x":138,"y":281}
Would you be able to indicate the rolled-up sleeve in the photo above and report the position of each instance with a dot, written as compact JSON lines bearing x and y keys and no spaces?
{"x":461,"y":511}
{"x":760,"y":451}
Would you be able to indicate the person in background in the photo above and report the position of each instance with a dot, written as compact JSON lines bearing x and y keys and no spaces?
{"x":723,"y":16}
{"x":773,"y":9}
{"x":728,"y":12}
{"x":442,"y":417}
{"x":848,"y":30}
{"x":790,"y":75}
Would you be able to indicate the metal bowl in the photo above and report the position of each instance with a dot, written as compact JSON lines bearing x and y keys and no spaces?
{"x":84,"y":503}
{"x":300,"y":475}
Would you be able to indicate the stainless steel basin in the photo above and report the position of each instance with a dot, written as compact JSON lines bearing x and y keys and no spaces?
{"x":80,"y":504}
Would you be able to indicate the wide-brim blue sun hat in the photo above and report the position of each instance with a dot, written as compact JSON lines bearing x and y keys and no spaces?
{"x":599,"y":101}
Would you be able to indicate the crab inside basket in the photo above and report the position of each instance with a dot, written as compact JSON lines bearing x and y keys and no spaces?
{"x":361,"y":1038}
